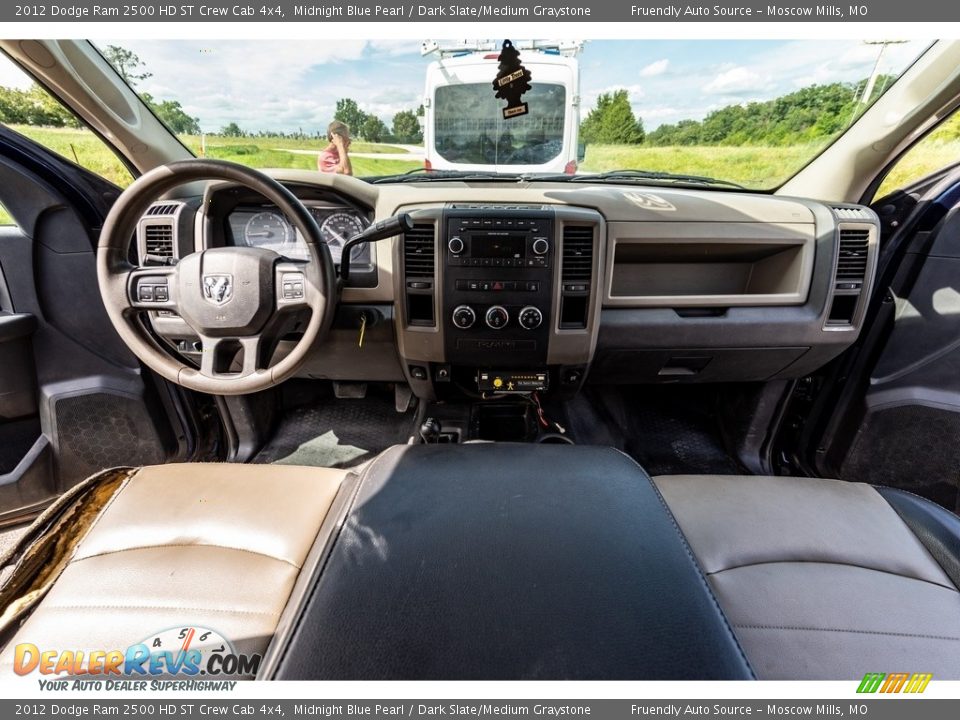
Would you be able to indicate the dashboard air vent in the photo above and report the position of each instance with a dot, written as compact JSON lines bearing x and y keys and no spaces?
{"x":418,"y":251}
{"x":158,"y":239}
{"x":577,"y":254}
{"x":163,"y":209}
{"x":851,"y":213}
{"x":852,"y":260}
{"x":575,"y":275}
{"x":853,"y":255}
{"x":418,"y":274}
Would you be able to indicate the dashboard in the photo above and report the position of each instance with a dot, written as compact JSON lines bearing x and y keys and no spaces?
{"x":516,"y":286}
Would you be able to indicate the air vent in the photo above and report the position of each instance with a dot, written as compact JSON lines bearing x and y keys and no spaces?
{"x":163,"y":209}
{"x":418,"y":274}
{"x":577,"y":254}
{"x":575,"y":275}
{"x":158,"y":239}
{"x":418,"y":252}
{"x":853,"y":254}
{"x":851,"y":213}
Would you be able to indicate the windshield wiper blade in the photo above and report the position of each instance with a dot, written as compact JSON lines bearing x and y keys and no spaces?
{"x":423,"y":175}
{"x":635,"y":176}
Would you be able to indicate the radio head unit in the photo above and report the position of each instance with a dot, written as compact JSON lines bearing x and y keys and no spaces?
{"x":485,"y":240}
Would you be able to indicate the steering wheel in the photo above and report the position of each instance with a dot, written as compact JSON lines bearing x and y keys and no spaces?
{"x":236,"y":299}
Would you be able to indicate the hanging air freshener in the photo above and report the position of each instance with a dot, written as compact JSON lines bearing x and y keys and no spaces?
{"x":513,"y":80}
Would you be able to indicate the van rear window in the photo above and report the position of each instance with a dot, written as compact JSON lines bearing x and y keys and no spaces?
{"x":469,"y":125}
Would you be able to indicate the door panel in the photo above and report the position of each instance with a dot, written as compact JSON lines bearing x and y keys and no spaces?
{"x":79,"y":400}
{"x":890,"y":411}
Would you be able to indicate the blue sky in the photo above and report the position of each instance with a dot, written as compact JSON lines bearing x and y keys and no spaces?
{"x":286,"y":85}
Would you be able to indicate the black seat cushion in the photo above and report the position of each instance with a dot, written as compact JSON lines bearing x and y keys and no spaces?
{"x":507,"y":561}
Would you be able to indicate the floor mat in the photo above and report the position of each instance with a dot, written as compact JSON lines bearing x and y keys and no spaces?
{"x":337,"y":433}
{"x":669,"y":431}
{"x":16,"y":439}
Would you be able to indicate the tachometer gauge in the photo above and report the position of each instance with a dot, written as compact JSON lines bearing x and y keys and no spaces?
{"x":337,"y":229}
{"x":269,"y":230}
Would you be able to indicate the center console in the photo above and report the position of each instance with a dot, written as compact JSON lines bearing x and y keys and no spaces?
{"x":498,"y":299}
{"x":498,"y":286}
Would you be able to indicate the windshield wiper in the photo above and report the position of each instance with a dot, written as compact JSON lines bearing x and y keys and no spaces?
{"x":423,"y":175}
{"x":632,"y":176}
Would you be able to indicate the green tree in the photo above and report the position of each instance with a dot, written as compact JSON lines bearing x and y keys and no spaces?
{"x":406,"y":128}
{"x":612,"y":121}
{"x":350,"y":113}
{"x":173,"y":115}
{"x":232,"y":130}
{"x":373,"y":129}
{"x":805,"y":115}
{"x":33,"y":106}
{"x":127,"y":63}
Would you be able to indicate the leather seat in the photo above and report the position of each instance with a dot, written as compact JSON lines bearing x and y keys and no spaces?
{"x":823,"y":579}
{"x":563,"y":560}
{"x":217,"y":546}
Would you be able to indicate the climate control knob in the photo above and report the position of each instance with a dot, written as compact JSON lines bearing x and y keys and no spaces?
{"x":540,"y":246}
{"x":455,"y":245}
{"x":464,"y":317}
{"x":530,"y":318}
{"x":497,"y":317}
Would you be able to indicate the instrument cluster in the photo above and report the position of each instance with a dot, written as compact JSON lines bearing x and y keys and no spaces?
{"x":264,"y":226}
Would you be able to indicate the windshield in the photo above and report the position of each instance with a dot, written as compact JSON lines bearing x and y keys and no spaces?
{"x":748,"y":112}
{"x":469,"y":127}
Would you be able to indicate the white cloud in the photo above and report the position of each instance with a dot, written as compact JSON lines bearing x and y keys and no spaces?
{"x":634,"y":92}
{"x":11,"y":76}
{"x":658,"y":67}
{"x":736,"y":81}
{"x":657,"y":113}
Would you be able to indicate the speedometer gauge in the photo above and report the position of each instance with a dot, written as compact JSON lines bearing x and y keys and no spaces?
{"x":337,"y":229}
{"x":269,"y":230}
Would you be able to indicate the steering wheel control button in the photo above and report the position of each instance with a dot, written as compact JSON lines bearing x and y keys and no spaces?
{"x":455,"y":246}
{"x":464,"y":317}
{"x":292,"y":286}
{"x":530,"y":318}
{"x":152,"y":290}
{"x":497,"y":317}
{"x":540,"y":246}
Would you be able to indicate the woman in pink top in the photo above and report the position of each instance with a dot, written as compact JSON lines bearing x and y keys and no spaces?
{"x":333,"y":158}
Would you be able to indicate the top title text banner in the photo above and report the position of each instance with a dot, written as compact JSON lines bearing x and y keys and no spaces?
{"x":594,"y":10}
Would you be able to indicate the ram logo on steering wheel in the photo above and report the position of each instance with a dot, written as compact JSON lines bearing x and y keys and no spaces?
{"x":217,"y":288}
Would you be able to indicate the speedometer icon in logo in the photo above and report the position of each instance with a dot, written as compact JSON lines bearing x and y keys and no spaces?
{"x":192,"y":651}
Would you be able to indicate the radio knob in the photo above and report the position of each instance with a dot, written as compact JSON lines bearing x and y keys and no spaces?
{"x":497,"y":317}
{"x":464,"y":317}
{"x":530,"y":318}
{"x":455,"y":246}
{"x":540,"y":246}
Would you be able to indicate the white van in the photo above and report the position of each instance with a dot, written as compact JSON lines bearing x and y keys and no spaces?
{"x":464,"y":127}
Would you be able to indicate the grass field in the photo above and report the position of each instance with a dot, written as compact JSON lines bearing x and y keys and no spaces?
{"x":755,"y":167}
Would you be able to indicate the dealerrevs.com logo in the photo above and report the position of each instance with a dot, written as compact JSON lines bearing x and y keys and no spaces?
{"x":176,"y":652}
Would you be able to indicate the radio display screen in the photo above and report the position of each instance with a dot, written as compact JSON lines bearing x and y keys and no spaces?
{"x":497,"y":246}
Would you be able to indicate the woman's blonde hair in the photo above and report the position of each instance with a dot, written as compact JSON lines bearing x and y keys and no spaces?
{"x":337,"y":128}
